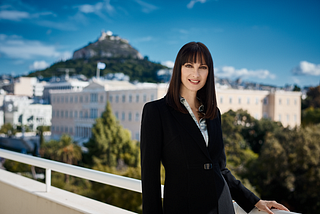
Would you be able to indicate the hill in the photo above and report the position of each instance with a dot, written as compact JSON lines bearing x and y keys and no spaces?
{"x":118,"y":55}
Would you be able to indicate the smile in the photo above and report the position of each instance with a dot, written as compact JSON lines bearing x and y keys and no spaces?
{"x":194,"y":81}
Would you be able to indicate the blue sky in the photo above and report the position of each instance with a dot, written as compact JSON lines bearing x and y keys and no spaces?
{"x":266,"y":41}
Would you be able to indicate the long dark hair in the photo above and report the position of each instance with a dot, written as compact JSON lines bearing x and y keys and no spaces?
{"x":193,"y":52}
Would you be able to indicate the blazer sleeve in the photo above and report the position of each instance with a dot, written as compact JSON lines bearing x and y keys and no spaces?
{"x":244,"y":197}
{"x":150,"y":146}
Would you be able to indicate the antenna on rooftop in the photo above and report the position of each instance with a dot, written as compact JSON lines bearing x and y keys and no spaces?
{"x":67,"y":70}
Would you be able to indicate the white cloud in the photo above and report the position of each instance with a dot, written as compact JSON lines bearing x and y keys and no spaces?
{"x":19,"y":48}
{"x":146,"y":7}
{"x":99,"y":8}
{"x":192,"y":3}
{"x":231,"y":72}
{"x":306,"y":68}
{"x":14,"y":15}
{"x":169,"y":64}
{"x":39,"y":65}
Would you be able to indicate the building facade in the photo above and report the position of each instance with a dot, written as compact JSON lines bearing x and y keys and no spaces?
{"x":20,"y":110}
{"x":282,"y":106}
{"x":74,"y":111}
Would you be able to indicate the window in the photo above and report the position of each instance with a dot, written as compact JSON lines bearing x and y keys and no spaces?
{"x":58,"y":99}
{"x":93,"y":113}
{"x":57,"y":128}
{"x":71,"y":114}
{"x":288,"y":101}
{"x":295,"y":101}
{"x":137,"y":136}
{"x":117,"y":98}
{"x":137,"y":117}
{"x":130,"y":98}
{"x":239,"y":100}
{"x":123,"y":98}
{"x":248,"y":100}
{"x":53,"y":99}
{"x":110,"y":98}
{"x":117,"y":115}
{"x":130,"y":116}
{"x":279,"y":117}
{"x":67,"y":100}
{"x":81,"y":99}
{"x":137,"y":98}
{"x":87,"y":99}
{"x":152,"y":97}
{"x":75,"y":114}
{"x":53,"y":114}
{"x":265,"y":101}
{"x":71,"y":99}
{"x":265,"y":115}
{"x":256,"y":116}
{"x":101,"y":98}
{"x":66,"y":129}
{"x":52,"y":128}
{"x":81,"y":114}
{"x":295,"y":118}
{"x":66,"y":114}
{"x":85,"y":114}
{"x":76,"y":99}
{"x":144,"y":98}
{"x":62,"y":99}
{"x":57,"y":113}
{"x":123,"y":116}
{"x":221,"y":100}
{"x":230,"y":100}
{"x":94,"y":98}
{"x":288,"y":117}
{"x":257,"y":100}
{"x":61,"y":114}
{"x":280,"y":101}
{"x":70,"y":130}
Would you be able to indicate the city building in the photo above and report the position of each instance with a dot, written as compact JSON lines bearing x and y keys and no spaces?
{"x":21,"y":111}
{"x":67,"y":84}
{"x":278,"y":105}
{"x":74,"y":111}
{"x":26,"y":86}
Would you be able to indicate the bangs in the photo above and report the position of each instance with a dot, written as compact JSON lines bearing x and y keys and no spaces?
{"x":194,"y":55}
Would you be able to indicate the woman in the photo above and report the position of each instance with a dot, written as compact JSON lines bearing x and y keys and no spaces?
{"x":183,"y":131}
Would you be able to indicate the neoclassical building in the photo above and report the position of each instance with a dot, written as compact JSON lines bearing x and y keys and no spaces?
{"x":74,"y":111}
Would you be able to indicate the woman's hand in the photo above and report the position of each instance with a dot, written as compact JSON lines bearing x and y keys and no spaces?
{"x":267,"y":205}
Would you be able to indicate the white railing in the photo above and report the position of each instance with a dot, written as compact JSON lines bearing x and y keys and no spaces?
{"x":81,"y":172}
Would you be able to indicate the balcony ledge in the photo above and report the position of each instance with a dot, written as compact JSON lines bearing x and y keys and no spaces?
{"x":23,"y":195}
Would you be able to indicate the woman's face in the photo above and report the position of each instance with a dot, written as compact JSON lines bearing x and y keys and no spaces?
{"x":193,"y":77}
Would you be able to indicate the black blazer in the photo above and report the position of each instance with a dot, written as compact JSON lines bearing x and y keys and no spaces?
{"x":197,"y":180}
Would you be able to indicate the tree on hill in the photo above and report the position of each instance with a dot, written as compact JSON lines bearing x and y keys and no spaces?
{"x":110,"y":144}
{"x":141,"y":70}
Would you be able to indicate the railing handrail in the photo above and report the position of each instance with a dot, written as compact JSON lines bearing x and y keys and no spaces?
{"x":90,"y":174}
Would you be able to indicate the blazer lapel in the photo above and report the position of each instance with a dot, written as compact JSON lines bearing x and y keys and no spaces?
{"x":191,"y":129}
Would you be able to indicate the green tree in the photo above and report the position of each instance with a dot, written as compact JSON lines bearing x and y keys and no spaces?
{"x":110,"y":142}
{"x":310,"y":116}
{"x":313,"y":98}
{"x":256,"y":134}
{"x":8,"y":129}
{"x":288,"y":168}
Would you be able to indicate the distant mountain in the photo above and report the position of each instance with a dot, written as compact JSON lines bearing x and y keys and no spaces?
{"x":118,"y":55}
{"x":107,"y":46}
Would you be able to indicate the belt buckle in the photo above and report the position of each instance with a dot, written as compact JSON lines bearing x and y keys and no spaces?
{"x":207,"y":166}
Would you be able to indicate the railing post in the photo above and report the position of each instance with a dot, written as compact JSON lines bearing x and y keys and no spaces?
{"x":48,"y":180}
